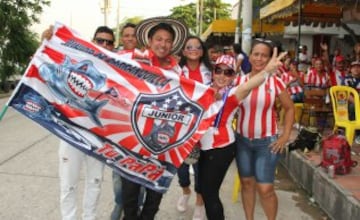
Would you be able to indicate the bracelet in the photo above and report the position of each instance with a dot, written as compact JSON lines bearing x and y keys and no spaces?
{"x":267,"y":75}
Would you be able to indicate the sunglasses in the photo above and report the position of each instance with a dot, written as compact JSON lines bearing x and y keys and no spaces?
{"x":227,"y":72}
{"x":101,"y":41}
{"x":191,"y":47}
{"x":266,"y":41}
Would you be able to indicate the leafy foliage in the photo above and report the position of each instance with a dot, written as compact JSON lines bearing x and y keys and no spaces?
{"x":212,"y":10}
{"x":134,"y":20}
{"x":17,"y":42}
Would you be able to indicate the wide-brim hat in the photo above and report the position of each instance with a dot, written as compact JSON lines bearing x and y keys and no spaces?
{"x":180,"y":29}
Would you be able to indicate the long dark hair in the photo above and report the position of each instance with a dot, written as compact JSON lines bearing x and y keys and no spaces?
{"x":237,"y":48}
{"x":203,"y":59}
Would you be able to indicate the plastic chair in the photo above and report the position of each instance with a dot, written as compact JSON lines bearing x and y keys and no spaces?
{"x":236,"y":188}
{"x":341,"y":96}
{"x":298,"y":110}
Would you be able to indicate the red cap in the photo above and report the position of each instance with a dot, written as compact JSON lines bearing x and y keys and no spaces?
{"x":339,"y":58}
{"x":226,"y":60}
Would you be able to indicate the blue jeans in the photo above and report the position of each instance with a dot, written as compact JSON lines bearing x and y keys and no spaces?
{"x":255,"y":159}
{"x":184,"y":176}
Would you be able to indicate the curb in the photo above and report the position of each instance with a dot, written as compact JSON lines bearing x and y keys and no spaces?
{"x":335,"y":201}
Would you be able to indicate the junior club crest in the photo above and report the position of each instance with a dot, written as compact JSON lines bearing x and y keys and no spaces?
{"x":163,"y":121}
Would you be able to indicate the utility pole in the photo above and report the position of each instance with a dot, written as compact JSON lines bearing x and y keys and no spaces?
{"x":298,"y":43}
{"x":117,"y":24}
{"x":247,"y":8}
{"x":238,"y":23}
{"x":201,"y":10}
{"x":198,"y":33}
{"x":105,"y":6}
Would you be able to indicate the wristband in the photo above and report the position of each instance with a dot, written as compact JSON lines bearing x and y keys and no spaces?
{"x":267,"y":75}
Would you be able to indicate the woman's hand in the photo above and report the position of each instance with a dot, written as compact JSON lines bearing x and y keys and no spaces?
{"x":278,"y":146}
{"x":275,"y":61}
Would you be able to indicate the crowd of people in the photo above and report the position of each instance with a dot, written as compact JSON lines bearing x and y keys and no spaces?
{"x":314,"y":75}
{"x":249,"y":87}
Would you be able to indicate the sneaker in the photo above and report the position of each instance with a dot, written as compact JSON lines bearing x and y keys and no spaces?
{"x":182,"y":203}
{"x":199,"y":212}
{"x":191,"y":170}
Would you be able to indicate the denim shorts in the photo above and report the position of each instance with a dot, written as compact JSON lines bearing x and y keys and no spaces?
{"x":255,"y":159}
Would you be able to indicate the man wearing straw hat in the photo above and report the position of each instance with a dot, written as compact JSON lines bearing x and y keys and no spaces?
{"x":162,"y":37}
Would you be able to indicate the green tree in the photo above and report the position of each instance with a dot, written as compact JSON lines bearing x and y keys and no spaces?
{"x":17,"y":42}
{"x":212,"y":10}
{"x":134,"y":20}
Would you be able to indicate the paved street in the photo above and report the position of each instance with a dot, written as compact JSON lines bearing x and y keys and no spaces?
{"x":29,"y":181}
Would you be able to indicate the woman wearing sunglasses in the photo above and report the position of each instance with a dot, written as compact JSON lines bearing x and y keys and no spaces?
{"x":218,"y":143}
{"x":195,"y":65}
{"x":259,"y":143}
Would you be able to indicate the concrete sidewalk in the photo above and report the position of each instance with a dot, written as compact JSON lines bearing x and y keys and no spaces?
{"x":30,"y":185}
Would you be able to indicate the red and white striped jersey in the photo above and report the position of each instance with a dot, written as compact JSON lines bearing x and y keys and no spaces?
{"x":337,"y":77}
{"x":201,"y":74}
{"x":148,"y":57}
{"x":294,"y":87}
{"x":314,"y":79}
{"x":223,"y":134}
{"x":257,"y":114}
{"x":281,"y":70}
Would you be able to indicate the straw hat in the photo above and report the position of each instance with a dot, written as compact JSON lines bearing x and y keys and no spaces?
{"x":180,"y":29}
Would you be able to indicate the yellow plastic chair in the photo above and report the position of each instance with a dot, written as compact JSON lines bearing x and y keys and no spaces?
{"x":236,"y":188}
{"x":340,"y":98}
{"x":298,"y":110}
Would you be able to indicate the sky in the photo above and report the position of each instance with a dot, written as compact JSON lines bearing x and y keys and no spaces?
{"x":85,"y":15}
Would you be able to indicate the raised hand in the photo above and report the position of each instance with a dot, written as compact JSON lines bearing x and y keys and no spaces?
{"x":47,"y":34}
{"x":275,"y":61}
{"x":324,"y":46}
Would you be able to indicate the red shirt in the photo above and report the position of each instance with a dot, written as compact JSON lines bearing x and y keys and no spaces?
{"x":201,"y":74}
{"x":221,"y":133}
{"x":337,"y":77}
